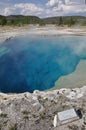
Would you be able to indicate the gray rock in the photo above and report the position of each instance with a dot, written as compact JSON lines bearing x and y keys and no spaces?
{"x":36,"y":111}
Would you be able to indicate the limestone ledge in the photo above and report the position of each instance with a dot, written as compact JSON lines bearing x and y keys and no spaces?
{"x":36,"y":111}
{"x":71,"y":93}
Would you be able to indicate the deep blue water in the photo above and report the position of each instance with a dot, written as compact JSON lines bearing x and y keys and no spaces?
{"x":32,"y":63}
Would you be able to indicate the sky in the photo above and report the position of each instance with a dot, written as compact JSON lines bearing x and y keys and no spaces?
{"x":43,"y":8}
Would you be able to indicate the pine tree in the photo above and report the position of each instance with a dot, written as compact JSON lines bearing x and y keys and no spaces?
{"x":60,"y":21}
{"x":3,"y":21}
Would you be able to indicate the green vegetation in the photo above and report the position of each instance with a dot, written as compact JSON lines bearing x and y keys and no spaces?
{"x":55,"y":112}
{"x":20,"y":20}
{"x":73,"y":127}
{"x":3,"y":21}
{"x":26,"y":117}
{"x":25,"y":112}
{"x":71,"y":21}
{"x":3,"y":115}
{"x":66,"y":20}
{"x":60,"y":21}
{"x":13,"y":127}
{"x":42,"y":115}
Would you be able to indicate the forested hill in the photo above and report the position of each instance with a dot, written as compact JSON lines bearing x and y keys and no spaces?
{"x":18,"y":20}
{"x":65,"y":20}
{"x":61,"y":20}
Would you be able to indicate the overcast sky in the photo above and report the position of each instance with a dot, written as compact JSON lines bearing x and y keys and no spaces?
{"x":43,"y":8}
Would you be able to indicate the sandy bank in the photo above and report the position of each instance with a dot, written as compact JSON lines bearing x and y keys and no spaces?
{"x":75,"y":79}
{"x":10,"y":32}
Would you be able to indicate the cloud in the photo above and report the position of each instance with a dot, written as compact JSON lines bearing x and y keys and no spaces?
{"x":22,"y":8}
{"x":52,"y":2}
{"x":27,"y":9}
{"x":65,"y":7}
{"x":8,"y":10}
{"x":51,"y":8}
{"x":74,"y":2}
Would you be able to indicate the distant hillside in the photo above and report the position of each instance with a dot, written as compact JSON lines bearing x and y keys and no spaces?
{"x":61,"y":20}
{"x":15,"y":17}
{"x":20,"y":19}
{"x":66,"y":20}
{"x":2,"y":16}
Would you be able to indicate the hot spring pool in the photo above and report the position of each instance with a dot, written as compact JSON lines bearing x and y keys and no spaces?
{"x":32,"y":63}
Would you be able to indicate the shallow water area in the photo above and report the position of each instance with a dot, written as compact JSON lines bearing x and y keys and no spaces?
{"x":36,"y":63}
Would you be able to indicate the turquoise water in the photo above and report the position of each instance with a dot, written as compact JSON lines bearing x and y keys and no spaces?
{"x":32,"y":63}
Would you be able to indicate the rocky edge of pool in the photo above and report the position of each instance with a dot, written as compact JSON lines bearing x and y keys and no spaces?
{"x":36,"y":111}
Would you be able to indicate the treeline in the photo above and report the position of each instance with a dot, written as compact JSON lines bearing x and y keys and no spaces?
{"x":66,"y":20}
{"x":20,"y":20}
